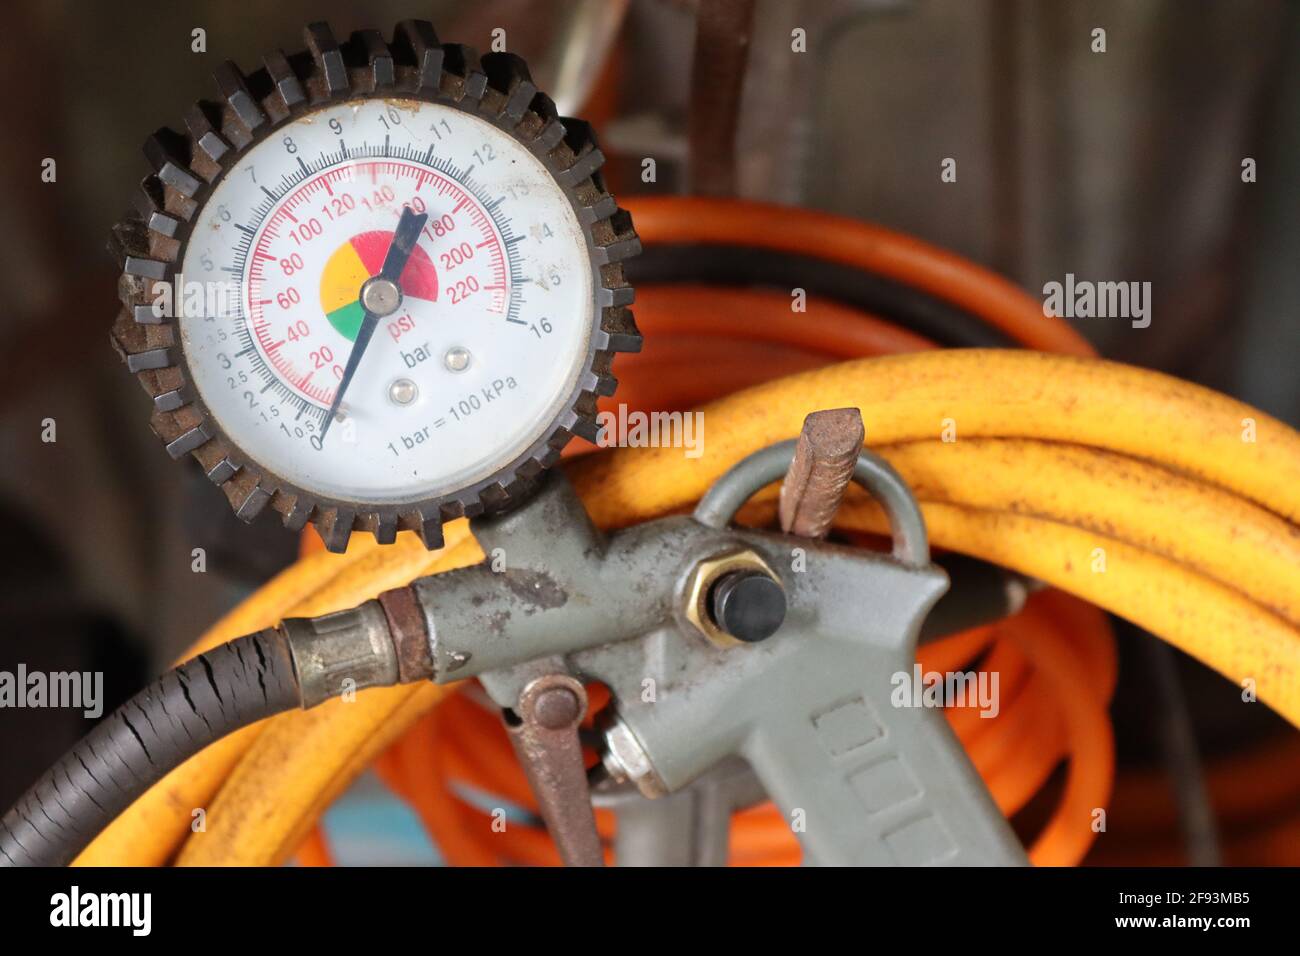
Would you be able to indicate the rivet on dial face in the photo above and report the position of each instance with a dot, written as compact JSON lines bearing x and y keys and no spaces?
{"x":457,"y":359}
{"x":403,"y":392}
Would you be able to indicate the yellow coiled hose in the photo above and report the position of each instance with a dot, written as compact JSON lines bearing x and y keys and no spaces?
{"x":1164,"y":502}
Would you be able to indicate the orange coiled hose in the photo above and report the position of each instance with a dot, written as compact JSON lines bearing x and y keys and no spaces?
{"x":695,"y":219}
{"x":1257,"y":823}
{"x":1055,"y":660}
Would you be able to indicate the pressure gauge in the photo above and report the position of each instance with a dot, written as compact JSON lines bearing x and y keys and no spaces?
{"x":376,"y":286}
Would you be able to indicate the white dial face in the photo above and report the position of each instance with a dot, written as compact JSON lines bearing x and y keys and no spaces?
{"x":474,"y":365}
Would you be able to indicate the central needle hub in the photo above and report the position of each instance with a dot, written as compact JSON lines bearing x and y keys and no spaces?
{"x":380,"y":297}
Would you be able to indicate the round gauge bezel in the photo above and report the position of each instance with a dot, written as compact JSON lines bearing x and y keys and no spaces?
{"x":575,"y":365}
{"x":188,"y":168}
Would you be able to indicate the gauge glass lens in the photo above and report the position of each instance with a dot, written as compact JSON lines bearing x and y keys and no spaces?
{"x":472,"y":362}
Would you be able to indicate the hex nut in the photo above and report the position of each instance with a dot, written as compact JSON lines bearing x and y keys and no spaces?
{"x":625,"y":759}
{"x":699,"y":583}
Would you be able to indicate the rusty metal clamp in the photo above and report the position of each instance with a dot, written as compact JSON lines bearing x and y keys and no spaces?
{"x":911,"y":542}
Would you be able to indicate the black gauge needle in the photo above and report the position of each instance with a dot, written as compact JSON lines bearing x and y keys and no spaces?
{"x":385,"y":294}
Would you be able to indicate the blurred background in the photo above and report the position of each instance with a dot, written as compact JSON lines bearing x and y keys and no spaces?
{"x":1123,"y":165}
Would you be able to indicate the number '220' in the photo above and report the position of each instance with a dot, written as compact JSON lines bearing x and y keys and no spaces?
{"x":463,"y":289}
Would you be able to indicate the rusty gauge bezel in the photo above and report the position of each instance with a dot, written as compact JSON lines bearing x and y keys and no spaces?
{"x":187,"y":166}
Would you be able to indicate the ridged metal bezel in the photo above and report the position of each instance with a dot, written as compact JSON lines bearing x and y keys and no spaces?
{"x":187,"y":166}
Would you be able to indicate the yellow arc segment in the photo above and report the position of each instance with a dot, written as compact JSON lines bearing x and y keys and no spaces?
{"x":340,"y":283}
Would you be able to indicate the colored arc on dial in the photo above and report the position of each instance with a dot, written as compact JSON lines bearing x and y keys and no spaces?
{"x":357,"y":260}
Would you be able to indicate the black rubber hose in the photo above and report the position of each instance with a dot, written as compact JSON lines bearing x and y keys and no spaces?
{"x":947,"y":324}
{"x":159,"y":728}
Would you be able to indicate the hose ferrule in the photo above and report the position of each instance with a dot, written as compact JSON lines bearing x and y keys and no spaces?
{"x":342,"y":652}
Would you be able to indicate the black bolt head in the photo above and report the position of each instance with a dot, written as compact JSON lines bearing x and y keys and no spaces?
{"x":748,"y":605}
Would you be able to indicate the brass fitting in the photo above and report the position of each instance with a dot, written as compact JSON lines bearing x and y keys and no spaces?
{"x":699,"y":586}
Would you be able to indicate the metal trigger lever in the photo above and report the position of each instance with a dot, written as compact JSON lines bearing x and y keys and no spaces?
{"x":543,"y":729}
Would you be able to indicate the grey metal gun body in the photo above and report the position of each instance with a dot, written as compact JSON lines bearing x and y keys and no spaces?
{"x":809,"y":709}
